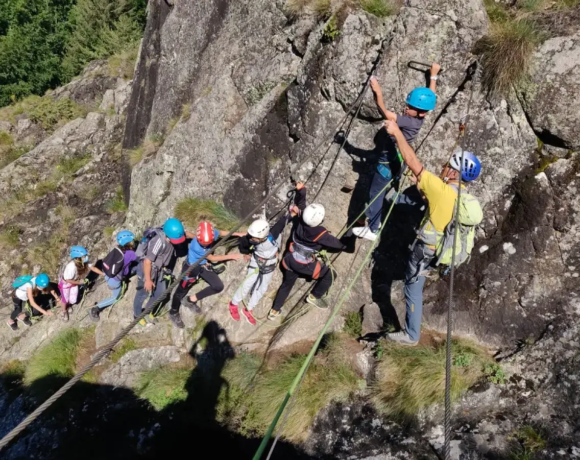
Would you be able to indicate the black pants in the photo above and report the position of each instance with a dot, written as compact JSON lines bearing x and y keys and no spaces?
{"x":18,"y":306}
{"x":313,"y":271}
{"x":215,"y":286}
{"x":41,"y":300}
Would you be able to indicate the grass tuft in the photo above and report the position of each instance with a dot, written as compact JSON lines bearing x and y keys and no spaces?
{"x":127,"y":345}
{"x":331,"y":30}
{"x":6,"y":139}
{"x":55,"y":359}
{"x":409,"y":379}
{"x":353,"y":324}
{"x":123,"y":64}
{"x":379,"y":8}
{"x":163,"y":386}
{"x":117,"y":204}
{"x":505,"y":53}
{"x":193,"y":210}
{"x":12,"y":374}
{"x":9,"y":237}
{"x":527,"y":442}
{"x":51,"y":113}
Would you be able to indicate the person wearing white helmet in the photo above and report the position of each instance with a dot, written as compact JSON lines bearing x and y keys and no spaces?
{"x":261,"y":245}
{"x":441,"y":195}
{"x":308,"y":238}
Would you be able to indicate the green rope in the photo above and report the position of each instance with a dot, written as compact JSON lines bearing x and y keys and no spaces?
{"x":309,"y":358}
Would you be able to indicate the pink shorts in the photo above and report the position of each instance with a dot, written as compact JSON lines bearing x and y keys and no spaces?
{"x":68,"y":292}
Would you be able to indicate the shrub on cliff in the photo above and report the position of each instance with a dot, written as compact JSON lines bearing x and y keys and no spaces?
{"x":193,"y":210}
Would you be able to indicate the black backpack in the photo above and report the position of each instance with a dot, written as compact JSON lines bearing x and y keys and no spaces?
{"x":113,"y":263}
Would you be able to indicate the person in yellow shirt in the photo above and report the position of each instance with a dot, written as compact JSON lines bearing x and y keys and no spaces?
{"x":440,"y":194}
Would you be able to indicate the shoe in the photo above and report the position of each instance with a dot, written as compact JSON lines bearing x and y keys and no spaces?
{"x":142,"y":322}
{"x":69,"y":310}
{"x":64,"y":316}
{"x":320,"y":303}
{"x":26,"y":321}
{"x":249,"y":317}
{"x":151,"y":319}
{"x":13,"y":326}
{"x":402,"y":338}
{"x":176,"y":320}
{"x":365,"y":232}
{"x":94,"y":313}
{"x":273,"y":314}
{"x":218,"y":269}
{"x":234,"y":311}
{"x":193,"y":306}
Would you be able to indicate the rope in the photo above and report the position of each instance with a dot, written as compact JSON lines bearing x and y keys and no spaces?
{"x":107,"y":349}
{"x":298,"y":379}
{"x":447,"y":445}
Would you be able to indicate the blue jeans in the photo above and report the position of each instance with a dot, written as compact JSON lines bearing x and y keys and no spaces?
{"x":419,"y":264}
{"x":115,"y":286}
{"x":141,"y":294}
{"x":375,"y":210}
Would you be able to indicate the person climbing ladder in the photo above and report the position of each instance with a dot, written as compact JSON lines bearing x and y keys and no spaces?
{"x":205,"y":237}
{"x":308,"y":238}
{"x":441,"y":195}
{"x":263,"y":243}
{"x":27,"y":289}
{"x":118,"y":265}
{"x":419,"y":102}
{"x":73,"y":276}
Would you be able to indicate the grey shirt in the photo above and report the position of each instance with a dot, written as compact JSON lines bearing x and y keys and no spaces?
{"x":410,"y":127}
{"x":160,"y":252}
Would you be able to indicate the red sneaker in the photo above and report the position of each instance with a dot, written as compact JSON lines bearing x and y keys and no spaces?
{"x":248,"y":316}
{"x":234,"y":311}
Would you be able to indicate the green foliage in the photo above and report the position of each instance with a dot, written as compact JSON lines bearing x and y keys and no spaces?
{"x":163,"y":386}
{"x":52,"y":113}
{"x":505,"y":53}
{"x":117,"y":204}
{"x":126,"y":346}
{"x":135,"y":156}
{"x":9,"y":237}
{"x":378,"y":8}
{"x":67,"y":167}
{"x":108,"y":232}
{"x":122,"y":64}
{"x":545,"y":161}
{"x":527,"y":442}
{"x":331,"y":30}
{"x":193,"y":210}
{"x":321,"y":8}
{"x":55,"y":359}
{"x":12,"y":153}
{"x":494,"y":373}
{"x":530,"y":5}
{"x":6,"y":138}
{"x":186,"y":112}
{"x":410,"y":378}
{"x":256,"y":93}
{"x":11,"y":374}
{"x":353,"y":324}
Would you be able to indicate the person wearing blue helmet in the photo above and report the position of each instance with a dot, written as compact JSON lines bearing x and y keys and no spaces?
{"x":157,"y":256}
{"x":119,"y":265}
{"x":29,"y":289}
{"x":419,"y":102}
{"x":72,"y":276}
{"x":440,"y":192}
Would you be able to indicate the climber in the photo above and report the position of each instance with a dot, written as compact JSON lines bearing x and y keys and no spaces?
{"x":420,"y":101}
{"x":156,"y":255}
{"x":441,"y":194}
{"x":72,"y":276}
{"x":308,"y":238}
{"x":27,"y":289}
{"x":263,"y":243}
{"x":119,"y":265}
{"x":205,"y":237}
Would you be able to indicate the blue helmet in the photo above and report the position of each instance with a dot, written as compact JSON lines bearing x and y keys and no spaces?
{"x":174,"y":230}
{"x":125,"y":237}
{"x":78,"y":252}
{"x":471,"y":165}
{"x":422,"y":99}
{"x":42,"y":280}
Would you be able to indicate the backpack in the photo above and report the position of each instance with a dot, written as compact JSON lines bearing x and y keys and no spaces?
{"x":113,"y":263}
{"x":21,"y":281}
{"x":469,"y":216}
{"x":148,"y":235}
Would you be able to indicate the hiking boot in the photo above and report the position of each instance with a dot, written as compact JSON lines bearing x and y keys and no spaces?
{"x":13,"y":326}
{"x":273,"y":314}
{"x":94,"y":313}
{"x":25,"y":320}
{"x":402,"y":338}
{"x":234,"y":311}
{"x":365,"y":232}
{"x":249,"y":317}
{"x":193,"y":306}
{"x":64,"y":316}
{"x":319,"y":303}
{"x":176,"y":319}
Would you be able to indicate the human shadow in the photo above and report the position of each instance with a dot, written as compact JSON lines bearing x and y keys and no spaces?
{"x":96,"y":421}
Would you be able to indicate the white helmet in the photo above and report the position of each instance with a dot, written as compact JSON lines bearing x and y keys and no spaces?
{"x":313,"y":215}
{"x":259,"y":229}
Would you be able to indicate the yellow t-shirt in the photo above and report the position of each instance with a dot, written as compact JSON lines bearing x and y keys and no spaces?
{"x":441,"y":198}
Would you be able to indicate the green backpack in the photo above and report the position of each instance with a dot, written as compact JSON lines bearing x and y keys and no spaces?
{"x":470,"y":215}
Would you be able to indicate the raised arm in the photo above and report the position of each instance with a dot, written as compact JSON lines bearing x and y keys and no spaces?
{"x":435,"y":68}
{"x":387,"y":114}
{"x":407,"y":152}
